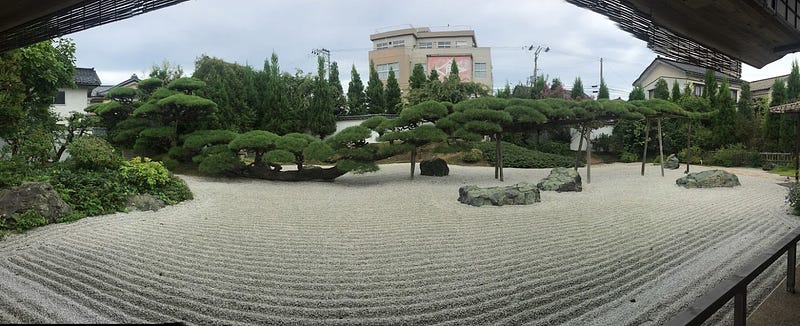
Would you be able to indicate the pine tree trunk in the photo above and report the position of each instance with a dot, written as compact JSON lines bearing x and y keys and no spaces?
{"x":688,"y":147}
{"x":580,"y":144}
{"x":497,"y":157}
{"x":646,"y":134}
{"x":500,"y":155}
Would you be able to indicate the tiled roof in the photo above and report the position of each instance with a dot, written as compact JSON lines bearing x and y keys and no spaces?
{"x":101,"y":90}
{"x":766,"y":83}
{"x":86,"y":77}
{"x":690,"y":68}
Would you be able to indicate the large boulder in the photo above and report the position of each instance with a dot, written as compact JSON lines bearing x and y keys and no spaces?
{"x":709,"y":179}
{"x":672,"y":162}
{"x":522,"y":193}
{"x":561,"y":179}
{"x":145,"y":202}
{"x":39,"y":197}
{"x":436,"y":167}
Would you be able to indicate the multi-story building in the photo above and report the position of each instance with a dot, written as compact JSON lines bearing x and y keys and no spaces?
{"x":683,"y":73}
{"x":401,"y":49}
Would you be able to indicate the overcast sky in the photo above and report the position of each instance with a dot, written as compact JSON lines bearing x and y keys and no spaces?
{"x":248,"y":31}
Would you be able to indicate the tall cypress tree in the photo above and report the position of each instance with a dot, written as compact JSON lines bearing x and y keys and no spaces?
{"x":577,"y":89}
{"x":321,"y":120}
{"x":339,"y":101}
{"x":662,"y":90}
{"x":710,"y":88}
{"x":636,"y":94}
{"x":603,"y":92}
{"x":393,"y":94}
{"x":676,"y":91}
{"x":725,"y":121}
{"x":793,"y":84}
{"x":745,"y":116}
{"x":356,"y":99}
{"x":418,"y":78}
{"x":376,"y":101}
{"x":771,"y":131}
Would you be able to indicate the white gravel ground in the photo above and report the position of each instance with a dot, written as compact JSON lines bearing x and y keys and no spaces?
{"x":381,"y":249}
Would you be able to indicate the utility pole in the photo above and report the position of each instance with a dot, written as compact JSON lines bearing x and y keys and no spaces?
{"x":536,"y":60}
{"x":326,"y":53}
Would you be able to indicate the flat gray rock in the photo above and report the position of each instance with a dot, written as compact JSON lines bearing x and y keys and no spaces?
{"x":522,"y":193}
{"x":561,"y":179}
{"x":709,"y":179}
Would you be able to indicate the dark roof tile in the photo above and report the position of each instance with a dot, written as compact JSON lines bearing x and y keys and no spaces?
{"x":86,"y":77}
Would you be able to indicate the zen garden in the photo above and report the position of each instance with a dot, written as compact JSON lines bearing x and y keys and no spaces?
{"x":231,"y":158}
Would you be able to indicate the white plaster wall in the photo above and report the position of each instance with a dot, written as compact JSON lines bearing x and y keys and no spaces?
{"x":75,"y":99}
{"x":344,"y":124}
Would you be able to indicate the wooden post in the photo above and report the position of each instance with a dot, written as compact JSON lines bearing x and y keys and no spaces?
{"x":646,"y":134}
{"x":797,"y":150}
{"x":580,"y":144}
{"x":689,"y":147}
{"x":500,"y":155}
{"x":791,"y":263}
{"x":497,"y":157}
{"x":588,"y":158}
{"x":660,"y":147}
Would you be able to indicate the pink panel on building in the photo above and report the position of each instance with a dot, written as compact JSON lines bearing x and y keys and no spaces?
{"x":442,"y":66}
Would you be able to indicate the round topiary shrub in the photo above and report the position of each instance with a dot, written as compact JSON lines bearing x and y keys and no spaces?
{"x":93,"y":153}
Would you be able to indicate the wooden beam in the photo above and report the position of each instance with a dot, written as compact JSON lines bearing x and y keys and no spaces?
{"x":646,"y":134}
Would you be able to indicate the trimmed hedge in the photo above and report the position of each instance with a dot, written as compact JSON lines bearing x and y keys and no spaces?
{"x":520,"y":157}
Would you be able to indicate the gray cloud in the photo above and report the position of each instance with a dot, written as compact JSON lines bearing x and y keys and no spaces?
{"x":248,"y":31}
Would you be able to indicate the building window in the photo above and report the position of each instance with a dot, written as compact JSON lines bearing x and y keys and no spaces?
{"x":733,"y":95}
{"x":381,"y":45}
{"x":425,"y":45}
{"x":383,"y":69}
{"x":461,"y":44}
{"x":443,"y":44}
{"x":651,"y":94}
{"x":59,"y":98}
{"x":698,"y":90}
{"x":480,"y":70}
{"x":398,"y":44}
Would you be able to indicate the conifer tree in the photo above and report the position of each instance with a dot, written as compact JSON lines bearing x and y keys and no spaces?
{"x":710,"y":88}
{"x":376,"y":97}
{"x":577,"y":89}
{"x":321,"y":120}
{"x":339,"y":101}
{"x":393,"y":95}
{"x":724,"y":127}
{"x":418,"y":78}
{"x":602,"y":93}
{"x":636,"y":94}
{"x":676,"y":91}
{"x":356,"y":99}
{"x":662,"y":90}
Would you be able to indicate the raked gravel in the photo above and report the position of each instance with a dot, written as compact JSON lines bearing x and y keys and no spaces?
{"x":382,"y":249}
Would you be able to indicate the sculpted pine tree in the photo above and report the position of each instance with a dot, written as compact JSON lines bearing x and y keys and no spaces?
{"x":356,"y":99}
{"x":414,"y":128}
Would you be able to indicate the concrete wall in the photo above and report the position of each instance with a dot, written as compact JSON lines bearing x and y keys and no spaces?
{"x":607,"y":130}
{"x":344,"y":124}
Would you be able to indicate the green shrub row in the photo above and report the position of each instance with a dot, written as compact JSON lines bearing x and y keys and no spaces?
{"x":735,"y":155}
{"x":520,"y":157}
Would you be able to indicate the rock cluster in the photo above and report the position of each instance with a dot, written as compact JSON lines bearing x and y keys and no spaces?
{"x":709,"y":179}
{"x":561,"y":179}
{"x":35,"y":196}
{"x":522,"y":193}
{"x":144,"y":202}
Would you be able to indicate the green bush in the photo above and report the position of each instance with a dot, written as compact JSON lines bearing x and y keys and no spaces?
{"x":91,"y":192}
{"x":145,"y":176}
{"x":552,"y":147}
{"x":174,"y":191}
{"x":473,"y":156}
{"x":28,"y":220}
{"x":697,"y":155}
{"x":520,"y":157}
{"x":735,"y":155}
{"x":14,"y":172}
{"x":91,"y":152}
{"x":628,"y":157}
